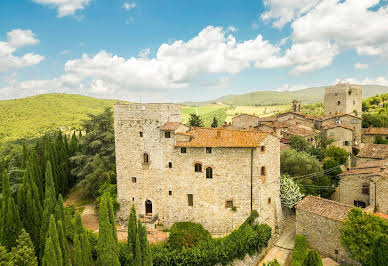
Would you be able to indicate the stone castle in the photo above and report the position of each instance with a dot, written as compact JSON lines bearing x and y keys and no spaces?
{"x":173,"y":173}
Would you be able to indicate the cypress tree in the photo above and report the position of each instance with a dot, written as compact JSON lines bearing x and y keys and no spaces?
{"x":37,"y":175}
{"x":312,"y":259}
{"x":379,"y":251}
{"x":132,"y":230}
{"x":86,"y":250}
{"x":111,"y":216}
{"x":144,"y":245}
{"x":52,"y":233}
{"x":49,"y":202}
{"x":24,"y":253}
{"x":137,"y":256}
{"x":59,"y":210}
{"x":50,"y":256}
{"x":6,"y":258}
{"x":107,"y":251}
{"x":78,"y":226}
{"x":10,"y":219}
{"x":63,"y":243}
{"x":77,"y":259}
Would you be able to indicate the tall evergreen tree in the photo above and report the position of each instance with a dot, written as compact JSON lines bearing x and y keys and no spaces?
{"x":107,"y":250}
{"x":77,"y":259}
{"x":59,"y":210}
{"x":86,"y":250}
{"x":10,"y":226}
{"x":63,"y":243}
{"x":78,"y":226}
{"x":50,"y":256}
{"x":24,"y":252}
{"x":132,"y":230}
{"x":49,"y":202}
{"x":144,"y":245}
{"x":214,"y":123}
{"x":137,"y":256}
{"x":312,"y":259}
{"x":52,"y":233}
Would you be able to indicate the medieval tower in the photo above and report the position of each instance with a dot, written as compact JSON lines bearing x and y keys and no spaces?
{"x":343,"y":98}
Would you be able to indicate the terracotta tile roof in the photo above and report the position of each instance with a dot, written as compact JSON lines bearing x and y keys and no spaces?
{"x":220,"y":137}
{"x":376,"y":151}
{"x":338,"y":115}
{"x":372,"y":170}
{"x":334,"y":125}
{"x":301,"y":130}
{"x":323,"y":207}
{"x":275,"y":124}
{"x":268,"y":119}
{"x":376,"y":131}
{"x":170,"y":126}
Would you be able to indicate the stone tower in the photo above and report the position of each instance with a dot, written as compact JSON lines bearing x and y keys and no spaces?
{"x":137,"y":133}
{"x":296,"y":106}
{"x":343,"y":98}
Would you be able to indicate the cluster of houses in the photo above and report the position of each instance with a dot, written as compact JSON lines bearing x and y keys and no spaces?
{"x":171,"y":172}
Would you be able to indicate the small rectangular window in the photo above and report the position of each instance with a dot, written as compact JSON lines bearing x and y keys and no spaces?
{"x":208,"y":150}
{"x":365,"y":189}
{"x":170,"y":193}
{"x":229,"y":204}
{"x":331,"y":134}
{"x":262,"y":148}
{"x":141,"y":134}
{"x":190,"y":200}
{"x":183,"y":150}
{"x":170,"y":165}
{"x":133,"y":179}
{"x":133,"y":199}
{"x":269,"y":200}
{"x":167,"y":134}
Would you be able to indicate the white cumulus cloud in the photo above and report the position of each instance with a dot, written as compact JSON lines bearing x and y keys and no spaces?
{"x":128,"y":6}
{"x":64,"y":7}
{"x":16,"y":39}
{"x":361,"y":66}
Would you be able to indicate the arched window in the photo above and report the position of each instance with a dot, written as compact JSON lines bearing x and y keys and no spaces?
{"x":198,"y":167}
{"x":148,"y":207}
{"x":209,"y":172}
{"x":146,"y":158}
{"x":262,"y":171}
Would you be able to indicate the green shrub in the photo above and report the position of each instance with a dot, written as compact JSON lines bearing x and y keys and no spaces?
{"x":312,"y":259}
{"x":299,"y":253}
{"x":187,"y":235}
{"x":249,"y":239}
{"x":272,"y":263}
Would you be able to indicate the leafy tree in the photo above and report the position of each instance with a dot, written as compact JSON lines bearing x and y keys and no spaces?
{"x":214,"y":123}
{"x":312,"y":259}
{"x":24,"y":253}
{"x":298,"y":163}
{"x":107,"y":250}
{"x":195,"y":121}
{"x":359,"y":232}
{"x":94,"y":163}
{"x":10,"y":224}
{"x":50,"y":256}
{"x":6,"y":258}
{"x":299,"y":144}
{"x":77,"y":259}
{"x":290,"y":193}
{"x":338,"y":154}
{"x":379,"y":254}
{"x":333,"y":169}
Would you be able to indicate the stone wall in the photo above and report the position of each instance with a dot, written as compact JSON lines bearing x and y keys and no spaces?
{"x":322,"y":234}
{"x":245,"y":121}
{"x":340,"y":134}
{"x":381,"y":190}
{"x":168,"y":188}
{"x":350,"y":189}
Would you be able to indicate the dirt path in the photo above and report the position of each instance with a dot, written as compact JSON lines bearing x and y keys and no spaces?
{"x":282,"y":248}
{"x":90,"y":218}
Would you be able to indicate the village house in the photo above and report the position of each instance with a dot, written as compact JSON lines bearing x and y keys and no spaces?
{"x":172,"y":173}
{"x":372,"y":152}
{"x":341,"y":134}
{"x":371,"y":134}
{"x":365,"y":185}
{"x":319,"y":220}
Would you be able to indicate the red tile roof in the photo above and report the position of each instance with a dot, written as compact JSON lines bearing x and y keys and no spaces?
{"x":275,"y":124}
{"x":373,"y":167}
{"x":323,"y":207}
{"x":376,"y":151}
{"x":301,"y":130}
{"x":376,"y":131}
{"x":170,"y":126}
{"x":220,"y":137}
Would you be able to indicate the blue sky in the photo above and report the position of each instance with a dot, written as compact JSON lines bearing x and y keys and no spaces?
{"x":181,"y":50}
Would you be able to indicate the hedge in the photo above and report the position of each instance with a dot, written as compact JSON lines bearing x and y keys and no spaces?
{"x":187,"y":234}
{"x":249,"y":238}
{"x":299,"y":252}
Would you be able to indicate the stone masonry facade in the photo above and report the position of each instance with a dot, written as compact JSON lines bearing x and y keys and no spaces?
{"x":168,"y":187}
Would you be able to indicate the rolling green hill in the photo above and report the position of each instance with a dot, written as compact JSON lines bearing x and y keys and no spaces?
{"x":33,"y":116}
{"x":265,"y":98}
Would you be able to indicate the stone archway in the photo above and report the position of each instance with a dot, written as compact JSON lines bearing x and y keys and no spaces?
{"x":148,"y":207}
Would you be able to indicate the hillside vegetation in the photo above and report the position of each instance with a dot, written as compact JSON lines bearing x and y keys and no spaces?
{"x":33,"y":116}
{"x":267,"y":98}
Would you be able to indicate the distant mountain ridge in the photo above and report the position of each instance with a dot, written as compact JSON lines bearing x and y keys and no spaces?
{"x":307,"y":96}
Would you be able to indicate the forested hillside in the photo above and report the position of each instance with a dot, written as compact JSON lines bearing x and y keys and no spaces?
{"x":37,"y":115}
